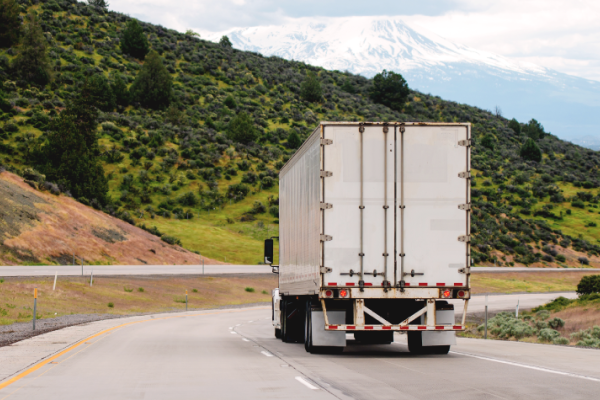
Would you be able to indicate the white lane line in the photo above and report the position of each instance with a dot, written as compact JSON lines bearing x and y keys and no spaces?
{"x":238,"y":324}
{"x":245,"y":340}
{"x":266,"y":353}
{"x":306,"y":383}
{"x":233,"y":333}
{"x":552,"y":371}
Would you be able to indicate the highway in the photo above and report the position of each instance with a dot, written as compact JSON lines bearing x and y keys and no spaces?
{"x":232,"y":354}
{"x":114,"y":270}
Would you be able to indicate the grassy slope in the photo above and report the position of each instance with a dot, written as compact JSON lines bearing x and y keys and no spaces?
{"x":84,"y":43}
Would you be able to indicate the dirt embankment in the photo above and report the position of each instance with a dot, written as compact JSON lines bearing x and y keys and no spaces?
{"x":38,"y":227}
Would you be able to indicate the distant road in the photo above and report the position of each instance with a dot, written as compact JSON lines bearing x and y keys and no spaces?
{"x":73,"y":270}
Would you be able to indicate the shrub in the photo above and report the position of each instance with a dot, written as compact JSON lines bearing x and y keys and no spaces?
{"x":274,"y":211}
{"x":555,"y":323}
{"x":506,"y":325}
{"x":195,"y":290}
{"x":543,"y":314}
{"x":310,"y":90}
{"x":294,"y":140}
{"x":141,"y":289}
{"x":10,"y":23}
{"x":583,"y":261}
{"x":230,"y":102}
{"x":249,"y":290}
{"x":128,"y":290}
{"x":241,"y":129}
{"x":171,"y":240}
{"x":32,"y":63}
{"x":111,"y":305}
{"x":561,"y":258}
{"x":578,"y":204}
{"x":152,"y":87}
{"x":589,"y":284}
{"x":561,"y":340}
{"x":548,"y":335}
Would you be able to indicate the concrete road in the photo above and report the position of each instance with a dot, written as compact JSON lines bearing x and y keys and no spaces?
{"x":70,"y":270}
{"x":232,"y":354}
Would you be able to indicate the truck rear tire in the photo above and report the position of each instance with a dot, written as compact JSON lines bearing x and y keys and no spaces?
{"x":277,"y":333}
{"x":308,"y":346}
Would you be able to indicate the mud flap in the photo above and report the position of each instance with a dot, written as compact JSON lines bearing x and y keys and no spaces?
{"x":432,"y":338}
{"x":320,"y":337}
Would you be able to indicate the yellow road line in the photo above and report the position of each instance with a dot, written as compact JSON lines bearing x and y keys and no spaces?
{"x":54,"y":357}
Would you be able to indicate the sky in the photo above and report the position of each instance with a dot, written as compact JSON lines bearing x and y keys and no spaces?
{"x":557,"y":34}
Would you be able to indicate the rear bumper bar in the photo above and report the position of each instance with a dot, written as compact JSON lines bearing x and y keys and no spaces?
{"x":394,"y":328}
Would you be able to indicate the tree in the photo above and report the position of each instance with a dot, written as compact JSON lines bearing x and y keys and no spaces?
{"x":347,"y":86}
{"x":294,"y":140}
{"x":515,"y":126}
{"x":531,"y":151}
{"x":32,"y":63}
{"x":119,"y":89}
{"x":173,"y":114}
{"x":191,"y":33}
{"x":70,"y":155}
{"x":389,"y":89}
{"x":134,"y":41}
{"x":153,"y":85}
{"x":488,"y":141}
{"x":310,"y":90}
{"x":230,"y":102}
{"x":10,"y":23}
{"x":101,"y":93}
{"x":534,"y":130}
{"x":241,"y":129}
{"x":225,"y":42}
{"x":99,"y":4}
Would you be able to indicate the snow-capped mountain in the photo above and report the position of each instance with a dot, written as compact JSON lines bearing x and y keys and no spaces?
{"x":566,"y":105}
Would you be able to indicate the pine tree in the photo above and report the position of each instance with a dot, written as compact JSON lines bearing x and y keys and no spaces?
{"x":119,"y":89}
{"x":134,"y":41}
{"x":101,"y":93}
{"x":32,"y":63}
{"x":70,"y":155}
{"x":10,"y":23}
{"x":310,"y":90}
{"x":225,"y":42}
{"x":241,"y":129}
{"x":534,"y":130}
{"x":515,"y":126}
{"x":152,"y":87}
{"x":531,"y":151}
{"x":389,"y":89}
{"x":294,"y":140}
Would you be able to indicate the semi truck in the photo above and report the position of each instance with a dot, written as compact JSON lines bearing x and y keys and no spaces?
{"x":374,"y":232}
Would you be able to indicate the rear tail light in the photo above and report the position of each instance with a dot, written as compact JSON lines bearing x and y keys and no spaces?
{"x":343,"y":293}
{"x":461,"y":294}
{"x":329,"y":293}
{"x":446,"y":294}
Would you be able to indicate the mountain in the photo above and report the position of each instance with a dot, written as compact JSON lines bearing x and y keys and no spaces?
{"x":567,"y":106}
{"x":180,"y":174}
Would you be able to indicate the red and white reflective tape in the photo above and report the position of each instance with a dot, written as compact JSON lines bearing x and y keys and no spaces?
{"x":395,"y":327}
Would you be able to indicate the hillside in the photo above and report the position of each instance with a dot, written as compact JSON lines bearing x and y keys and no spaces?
{"x":182,"y":174}
{"x":41,"y":228}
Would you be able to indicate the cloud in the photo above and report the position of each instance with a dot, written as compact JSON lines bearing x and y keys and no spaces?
{"x":552,"y":33}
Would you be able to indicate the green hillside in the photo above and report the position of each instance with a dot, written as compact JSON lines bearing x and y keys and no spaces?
{"x":182,"y":169}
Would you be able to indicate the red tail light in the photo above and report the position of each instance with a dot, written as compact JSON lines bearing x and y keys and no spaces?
{"x":461,"y":294}
{"x":343,"y":293}
{"x":328,"y":293}
{"x":446,"y":294}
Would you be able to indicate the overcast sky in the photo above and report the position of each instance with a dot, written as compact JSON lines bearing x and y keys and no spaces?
{"x":558,"y":34}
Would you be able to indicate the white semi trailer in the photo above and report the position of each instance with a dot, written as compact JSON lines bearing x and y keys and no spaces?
{"x":374,"y":235}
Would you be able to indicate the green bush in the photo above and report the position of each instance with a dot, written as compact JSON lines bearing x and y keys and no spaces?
{"x":310,"y":90}
{"x":556,"y":322}
{"x":530,"y":151}
{"x":548,"y":335}
{"x":561,"y":340}
{"x":171,"y":240}
{"x":561,"y":258}
{"x":249,"y":290}
{"x":506,"y":325}
{"x":152,"y":87}
{"x":111,"y":305}
{"x":134,"y":41}
{"x":241,"y":129}
{"x":389,"y":89}
{"x":589,"y":284}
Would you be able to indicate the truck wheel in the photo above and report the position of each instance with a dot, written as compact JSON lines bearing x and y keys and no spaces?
{"x":278,"y":333}
{"x":415,"y":343}
{"x":308,"y":346}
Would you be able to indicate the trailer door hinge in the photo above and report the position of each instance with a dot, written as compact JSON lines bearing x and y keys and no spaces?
{"x":465,"y":175}
{"x":326,"y":174}
{"x":326,"y":206}
{"x":464,"y":238}
{"x":326,"y":238}
{"x":465,"y":207}
{"x":325,"y":270}
{"x":325,"y":142}
{"x":466,"y":143}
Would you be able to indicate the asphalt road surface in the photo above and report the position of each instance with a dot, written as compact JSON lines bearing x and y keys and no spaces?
{"x":72,"y":270}
{"x":232,"y":354}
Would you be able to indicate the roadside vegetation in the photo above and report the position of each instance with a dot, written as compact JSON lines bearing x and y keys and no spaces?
{"x":562,"y":321}
{"x":185,"y":137}
{"x":526,"y":282}
{"x":108,"y":295}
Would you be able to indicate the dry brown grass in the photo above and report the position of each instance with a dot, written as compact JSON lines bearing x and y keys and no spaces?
{"x":511,"y":282}
{"x":38,"y":227}
{"x":74,"y":295}
{"x":578,"y":318}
